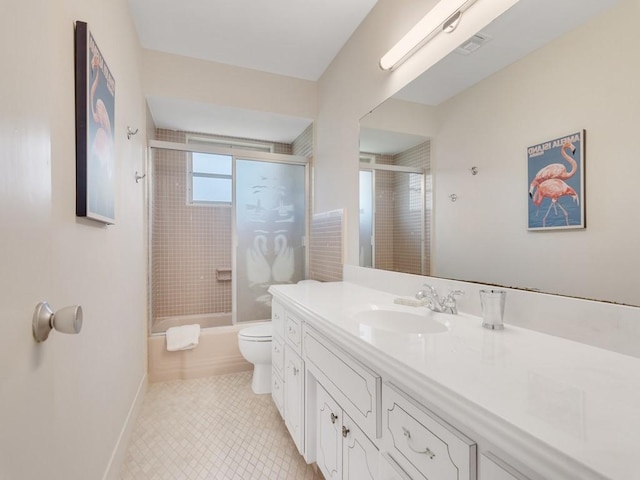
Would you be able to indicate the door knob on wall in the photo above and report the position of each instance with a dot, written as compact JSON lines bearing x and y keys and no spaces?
{"x":66,"y":320}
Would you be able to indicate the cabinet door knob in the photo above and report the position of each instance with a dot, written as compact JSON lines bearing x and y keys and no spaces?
{"x":295,"y":371}
{"x":334,"y":417}
{"x":345,"y":431}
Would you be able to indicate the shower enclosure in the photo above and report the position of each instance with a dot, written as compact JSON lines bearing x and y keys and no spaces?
{"x":225,"y":224}
{"x":394,"y":217}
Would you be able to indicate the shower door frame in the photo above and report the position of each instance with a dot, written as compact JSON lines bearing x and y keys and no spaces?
{"x":236,"y":153}
{"x":373,"y":167}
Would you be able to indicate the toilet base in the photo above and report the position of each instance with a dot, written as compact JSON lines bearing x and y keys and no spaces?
{"x":261,"y":381}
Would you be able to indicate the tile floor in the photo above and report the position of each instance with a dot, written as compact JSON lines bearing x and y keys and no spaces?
{"x":212,"y":428}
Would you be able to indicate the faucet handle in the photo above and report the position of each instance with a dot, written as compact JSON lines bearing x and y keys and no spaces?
{"x":453,"y":293}
{"x":422,"y":294}
{"x":450,"y":302}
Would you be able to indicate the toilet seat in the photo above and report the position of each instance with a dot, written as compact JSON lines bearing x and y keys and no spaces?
{"x":259,"y":333}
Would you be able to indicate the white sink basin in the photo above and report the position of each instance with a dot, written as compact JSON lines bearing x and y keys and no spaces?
{"x":399,"y":321}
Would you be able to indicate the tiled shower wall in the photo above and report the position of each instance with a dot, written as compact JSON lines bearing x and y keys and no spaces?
{"x":408,"y":212}
{"x":398,"y":224}
{"x":188,"y":242}
{"x":326,"y":247}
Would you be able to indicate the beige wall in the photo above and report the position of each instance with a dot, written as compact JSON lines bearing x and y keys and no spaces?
{"x":174,"y":76}
{"x":64,"y":402}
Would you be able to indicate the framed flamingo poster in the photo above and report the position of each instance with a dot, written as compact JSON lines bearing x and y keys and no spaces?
{"x":556,"y":183}
{"x":95,"y":142}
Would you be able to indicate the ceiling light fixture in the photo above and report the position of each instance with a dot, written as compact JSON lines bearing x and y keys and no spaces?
{"x":445,"y":17}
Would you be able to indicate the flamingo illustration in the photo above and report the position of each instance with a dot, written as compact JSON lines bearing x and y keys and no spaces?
{"x":556,"y":170}
{"x":553,"y":189}
{"x":100,"y":171}
{"x":99,"y":111}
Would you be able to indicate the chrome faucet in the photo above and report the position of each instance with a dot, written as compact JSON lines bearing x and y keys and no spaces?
{"x":445,"y":305}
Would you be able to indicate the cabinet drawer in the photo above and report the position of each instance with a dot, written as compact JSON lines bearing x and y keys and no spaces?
{"x":277,"y":392}
{"x":356,"y":388}
{"x":424,"y":445}
{"x":277,"y":317}
{"x":293,"y":332}
{"x":277,"y":354}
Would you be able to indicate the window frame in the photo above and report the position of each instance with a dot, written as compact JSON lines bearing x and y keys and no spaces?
{"x":191,"y":174}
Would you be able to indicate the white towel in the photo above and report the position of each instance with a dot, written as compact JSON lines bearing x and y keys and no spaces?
{"x":182,"y":338}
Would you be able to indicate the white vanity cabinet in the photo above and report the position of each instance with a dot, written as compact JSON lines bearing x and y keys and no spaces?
{"x":420,"y":406}
{"x":293,"y":378}
{"x":288,"y":371}
{"x":343,"y":451}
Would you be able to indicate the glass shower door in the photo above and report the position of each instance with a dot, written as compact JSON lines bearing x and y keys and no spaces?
{"x":270,"y":210}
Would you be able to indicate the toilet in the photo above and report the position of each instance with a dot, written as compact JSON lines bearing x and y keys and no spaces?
{"x":255,"y":347}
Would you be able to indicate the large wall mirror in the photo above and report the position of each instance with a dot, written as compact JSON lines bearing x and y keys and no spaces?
{"x":541,"y":70}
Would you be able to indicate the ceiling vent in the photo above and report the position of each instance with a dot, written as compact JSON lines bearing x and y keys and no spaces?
{"x":473,"y":44}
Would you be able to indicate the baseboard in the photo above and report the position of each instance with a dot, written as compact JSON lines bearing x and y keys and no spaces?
{"x":112,"y":471}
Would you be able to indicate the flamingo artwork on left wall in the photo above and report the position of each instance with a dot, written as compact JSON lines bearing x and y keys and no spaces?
{"x":556,"y":183}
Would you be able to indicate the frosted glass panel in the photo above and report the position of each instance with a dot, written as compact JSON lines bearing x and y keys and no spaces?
{"x":270,"y":223}
{"x":211,"y":163}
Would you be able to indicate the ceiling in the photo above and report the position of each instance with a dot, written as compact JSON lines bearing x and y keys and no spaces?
{"x":296,"y":38}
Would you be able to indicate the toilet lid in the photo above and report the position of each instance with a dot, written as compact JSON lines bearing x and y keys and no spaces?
{"x":259,"y":332}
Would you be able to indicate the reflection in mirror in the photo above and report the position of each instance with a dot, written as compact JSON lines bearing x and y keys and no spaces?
{"x":486,"y":107}
{"x":394,"y":186}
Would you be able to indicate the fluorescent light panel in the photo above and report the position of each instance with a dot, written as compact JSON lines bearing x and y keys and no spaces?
{"x":423,"y":32}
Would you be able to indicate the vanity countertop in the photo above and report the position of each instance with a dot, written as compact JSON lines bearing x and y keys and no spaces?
{"x":565,"y":396}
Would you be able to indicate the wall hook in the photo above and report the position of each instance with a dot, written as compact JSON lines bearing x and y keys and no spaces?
{"x":140,"y":177}
{"x":131,"y":132}
{"x":474,"y":170}
{"x":453,"y":197}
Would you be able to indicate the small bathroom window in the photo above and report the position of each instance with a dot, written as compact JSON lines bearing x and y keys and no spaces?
{"x":210,"y":179}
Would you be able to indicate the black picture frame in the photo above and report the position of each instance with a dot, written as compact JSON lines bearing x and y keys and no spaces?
{"x":95,"y":140}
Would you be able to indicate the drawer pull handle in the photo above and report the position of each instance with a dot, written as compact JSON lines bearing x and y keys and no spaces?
{"x":427,"y":451}
{"x":345,"y":431}
{"x":334,"y":417}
